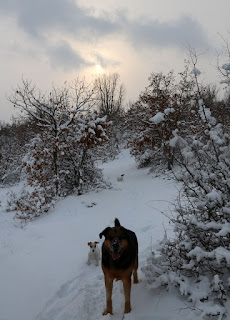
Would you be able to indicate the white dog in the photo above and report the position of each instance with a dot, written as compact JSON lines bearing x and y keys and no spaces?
{"x":94,"y":253}
{"x":120,"y":178}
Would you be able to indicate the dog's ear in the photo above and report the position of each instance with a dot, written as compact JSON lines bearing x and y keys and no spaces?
{"x":104,"y":232}
{"x":117,"y":223}
{"x":89,"y":243}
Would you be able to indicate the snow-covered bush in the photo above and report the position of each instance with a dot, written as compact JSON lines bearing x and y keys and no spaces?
{"x":164,"y":106}
{"x":60,"y":159}
{"x":78,"y":152}
{"x":10,"y":156}
{"x":38,"y":194}
{"x":58,"y":165}
{"x":13,"y":138}
{"x":117,"y":140}
{"x":197,"y":259}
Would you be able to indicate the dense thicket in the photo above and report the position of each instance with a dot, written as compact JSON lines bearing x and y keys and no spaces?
{"x":13,"y":140}
{"x":197,"y":259}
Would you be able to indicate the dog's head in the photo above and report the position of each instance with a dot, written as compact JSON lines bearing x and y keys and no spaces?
{"x":93,"y":245}
{"x":116,"y":240}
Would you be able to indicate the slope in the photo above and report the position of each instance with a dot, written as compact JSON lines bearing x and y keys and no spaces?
{"x":44,"y":275}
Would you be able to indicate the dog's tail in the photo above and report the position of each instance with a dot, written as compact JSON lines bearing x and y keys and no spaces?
{"x":117,"y":223}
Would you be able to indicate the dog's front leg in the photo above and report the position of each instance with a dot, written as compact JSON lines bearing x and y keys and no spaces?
{"x":109,"y":289}
{"x":97,"y":262}
{"x":127,"y":289}
{"x":135,"y":277}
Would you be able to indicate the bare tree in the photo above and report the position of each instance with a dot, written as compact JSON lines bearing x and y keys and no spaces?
{"x":110,"y":95}
{"x":54,"y":108}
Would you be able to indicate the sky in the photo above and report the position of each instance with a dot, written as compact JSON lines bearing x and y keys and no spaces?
{"x":53,"y":41}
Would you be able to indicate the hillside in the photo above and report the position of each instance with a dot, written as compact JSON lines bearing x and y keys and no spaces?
{"x":44,"y":275}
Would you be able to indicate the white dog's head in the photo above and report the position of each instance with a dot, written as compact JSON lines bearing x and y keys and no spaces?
{"x":93,"y":246}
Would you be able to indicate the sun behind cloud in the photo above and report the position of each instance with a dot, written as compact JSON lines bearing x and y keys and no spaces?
{"x":99,"y":68}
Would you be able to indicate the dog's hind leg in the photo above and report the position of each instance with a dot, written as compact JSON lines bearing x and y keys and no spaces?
{"x":109,"y":289}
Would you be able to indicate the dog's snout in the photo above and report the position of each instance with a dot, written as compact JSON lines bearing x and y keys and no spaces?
{"x":115,"y":247}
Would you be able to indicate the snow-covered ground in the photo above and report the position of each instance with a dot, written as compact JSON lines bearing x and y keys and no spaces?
{"x":43,"y":270}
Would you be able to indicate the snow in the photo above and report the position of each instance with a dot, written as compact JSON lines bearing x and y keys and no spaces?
{"x":173,"y":142}
{"x":90,"y":130}
{"x":187,"y":153}
{"x":226,"y":66}
{"x":158,"y":118}
{"x":196,"y":71}
{"x":214,"y":136}
{"x":44,"y":272}
{"x":220,"y":253}
{"x":167,"y":111}
{"x":205,"y":113}
{"x":225,"y":81}
{"x":215,"y":195}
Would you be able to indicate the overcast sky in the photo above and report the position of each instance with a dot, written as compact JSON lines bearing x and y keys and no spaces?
{"x":53,"y":41}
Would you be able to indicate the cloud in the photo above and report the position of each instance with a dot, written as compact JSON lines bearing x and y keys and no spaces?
{"x":38,"y":16}
{"x":66,"y":19}
{"x":104,"y":62}
{"x":174,"y":33}
{"x":64,"y":57}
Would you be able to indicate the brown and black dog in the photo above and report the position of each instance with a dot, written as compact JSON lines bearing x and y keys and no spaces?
{"x":119,"y":261}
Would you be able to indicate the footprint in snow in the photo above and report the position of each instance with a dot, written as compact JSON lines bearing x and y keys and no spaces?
{"x":89,"y":204}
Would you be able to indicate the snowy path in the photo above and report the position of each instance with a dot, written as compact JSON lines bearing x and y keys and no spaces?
{"x":44,"y":275}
